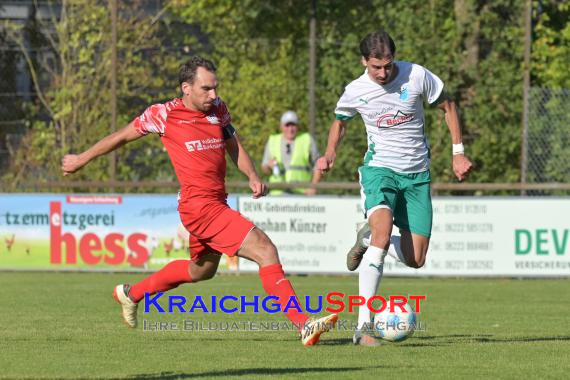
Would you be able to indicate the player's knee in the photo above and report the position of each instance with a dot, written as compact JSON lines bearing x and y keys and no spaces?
{"x":269,"y":247}
{"x":418,"y":261}
{"x":415,"y":263}
{"x":264,"y":251}
{"x":208,"y":276}
{"x":264,"y":245}
{"x":267,"y":253}
{"x":260,"y":249}
{"x":203,"y":276}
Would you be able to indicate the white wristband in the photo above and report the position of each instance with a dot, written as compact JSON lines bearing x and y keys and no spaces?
{"x":458,"y":149}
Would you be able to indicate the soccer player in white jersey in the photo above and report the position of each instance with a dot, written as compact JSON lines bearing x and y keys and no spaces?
{"x":395,"y":177}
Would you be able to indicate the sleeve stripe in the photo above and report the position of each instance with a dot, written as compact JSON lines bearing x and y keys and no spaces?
{"x":342,"y":117}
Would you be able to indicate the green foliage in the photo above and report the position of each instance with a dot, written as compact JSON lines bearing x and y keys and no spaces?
{"x":11,"y":111}
{"x":475,"y":47}
{"x":262,"y":52}
{"x":549,"y":140}
{"x":551,"y":44}
{"x":76,"y":95}
{"x":549,"y":115}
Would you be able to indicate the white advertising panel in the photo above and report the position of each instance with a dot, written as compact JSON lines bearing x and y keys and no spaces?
{"x":471,"y":236}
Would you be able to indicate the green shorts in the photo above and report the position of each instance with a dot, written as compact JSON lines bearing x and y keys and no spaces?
{"x":407,"y":194}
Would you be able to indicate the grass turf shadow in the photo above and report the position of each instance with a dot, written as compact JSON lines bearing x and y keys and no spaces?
{"x":246,"y":372}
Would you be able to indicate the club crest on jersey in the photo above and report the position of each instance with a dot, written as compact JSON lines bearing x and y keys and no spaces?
{"x":391,"y":120}
{"x":404,"y":92}
{"x":213,"y":119}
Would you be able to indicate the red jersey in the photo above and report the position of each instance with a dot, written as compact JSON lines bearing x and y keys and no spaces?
{"x":195,"y":142}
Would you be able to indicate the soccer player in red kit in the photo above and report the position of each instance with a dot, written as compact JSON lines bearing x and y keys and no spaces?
{"x":196,"y":131}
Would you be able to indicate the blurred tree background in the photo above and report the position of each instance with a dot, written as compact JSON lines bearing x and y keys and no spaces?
{"x":262,"y":52}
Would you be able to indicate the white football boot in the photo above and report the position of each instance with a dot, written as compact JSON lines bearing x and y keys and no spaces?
{"x":129,"y":307}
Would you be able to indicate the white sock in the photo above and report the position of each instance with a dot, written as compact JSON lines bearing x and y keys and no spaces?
{"x":369,"y":276}
{"x":395,"y":249}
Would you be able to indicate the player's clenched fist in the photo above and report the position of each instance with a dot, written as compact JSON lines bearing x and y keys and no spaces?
{"x":461,"y":166}
{"x":258,"y":188}
{"x":71,"y":163}
{"x":325,"y":163}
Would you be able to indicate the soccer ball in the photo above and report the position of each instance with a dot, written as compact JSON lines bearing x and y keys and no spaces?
{"x":396,"y":326}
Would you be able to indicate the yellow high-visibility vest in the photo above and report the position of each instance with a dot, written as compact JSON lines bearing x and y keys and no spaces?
{"x":300,"y":169}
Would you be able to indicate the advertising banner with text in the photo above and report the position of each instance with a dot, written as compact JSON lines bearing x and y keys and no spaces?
{"x":472,"y":236}
{"x":119,"y":232}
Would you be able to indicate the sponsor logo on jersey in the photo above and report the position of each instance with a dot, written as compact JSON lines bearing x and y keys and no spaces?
{"x":193,"y":145}
{"x":391,"y":120}
{"x":211,"y":143}
{"x":375,"y":114}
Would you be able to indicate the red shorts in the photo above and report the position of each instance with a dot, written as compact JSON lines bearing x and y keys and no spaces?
{"x":215,"y":227}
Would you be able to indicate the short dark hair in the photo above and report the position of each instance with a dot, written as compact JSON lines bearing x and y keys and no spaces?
{"x":188,"y":70}
{"x":378,"y":45}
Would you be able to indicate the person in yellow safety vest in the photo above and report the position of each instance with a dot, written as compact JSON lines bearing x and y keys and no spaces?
{"x":290,"y":156}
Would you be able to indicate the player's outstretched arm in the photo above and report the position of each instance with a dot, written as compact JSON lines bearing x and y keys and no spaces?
{"x":245,"y":165}
{"x":73,"y":162}
{"x":461,"y":164}
{"x":336,"y":133}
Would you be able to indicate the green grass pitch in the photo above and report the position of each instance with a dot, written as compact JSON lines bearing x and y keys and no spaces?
{"x":66,"y":325}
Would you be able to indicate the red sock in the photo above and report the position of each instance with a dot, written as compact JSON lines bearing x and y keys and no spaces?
{"x":169,"y":277}
{"x":275,"y":284}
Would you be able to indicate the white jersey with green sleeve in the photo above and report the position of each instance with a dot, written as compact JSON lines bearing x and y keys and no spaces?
{"x":394,"y":116}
